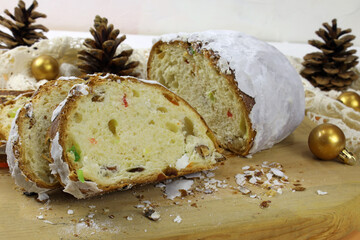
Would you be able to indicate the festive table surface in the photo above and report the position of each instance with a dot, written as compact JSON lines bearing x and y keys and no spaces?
{"x":327,"y":208}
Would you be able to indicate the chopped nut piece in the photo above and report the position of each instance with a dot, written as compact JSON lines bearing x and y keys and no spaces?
{"x":151,"y":214}
{"x":298,"y":189}
{"x":202,"y":150}
{"x":265,"y":204}
{"x":183,"y":192}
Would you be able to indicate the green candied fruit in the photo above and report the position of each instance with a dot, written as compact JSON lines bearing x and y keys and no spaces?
{"x":191,"y":50}
{"x":12,"y":112}
{"x":80,"y":175}
{"x":211,"y":96}
{"x":75,"y":153}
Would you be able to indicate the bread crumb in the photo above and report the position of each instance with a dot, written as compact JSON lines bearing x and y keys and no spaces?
{"x":244,"y":190}
{"x":271,"y":193}
{"x":253,"y":195}
{"x":194,"y":205}
{"x":177,"y":219}
{"x":277,"y":172}
{"x":321,"y":193}
{"x":298,"y":189}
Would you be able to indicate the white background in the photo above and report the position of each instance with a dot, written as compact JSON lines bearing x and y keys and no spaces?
{"x":270,"y":20}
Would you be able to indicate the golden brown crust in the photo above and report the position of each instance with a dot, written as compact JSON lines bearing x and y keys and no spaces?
{"x":245,"y":100}
{"x":60,"y":122}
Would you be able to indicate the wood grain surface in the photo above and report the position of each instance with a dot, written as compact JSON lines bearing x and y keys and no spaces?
{"x":225,"y":214}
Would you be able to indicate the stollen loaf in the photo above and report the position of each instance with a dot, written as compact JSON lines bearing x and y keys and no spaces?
{"x":245,"y":89}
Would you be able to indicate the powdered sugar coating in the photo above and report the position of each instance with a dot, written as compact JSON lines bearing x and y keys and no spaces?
{"x":262,"y":72}
{"x":106,"y":76}
{"x":13,"y":162}
{"x":182,"y":162}
{"x":29,"y":110}
{"x":61,"y":168}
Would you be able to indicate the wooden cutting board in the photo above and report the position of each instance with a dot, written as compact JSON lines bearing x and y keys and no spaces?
{"x":225,"y":214}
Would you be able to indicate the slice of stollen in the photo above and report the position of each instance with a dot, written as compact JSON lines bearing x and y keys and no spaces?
{"x":27,"y":146}
{"x":116,"y":132}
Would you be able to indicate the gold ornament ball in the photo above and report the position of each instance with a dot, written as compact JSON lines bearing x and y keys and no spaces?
{"x":350,"y":99}
{"x":45,"y":67}
{"x":326,"y":141}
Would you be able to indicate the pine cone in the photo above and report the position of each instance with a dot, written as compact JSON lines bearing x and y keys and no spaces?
{"x":331,"y":68}
{"x":22,"y":27}
{"x":99,"y":57}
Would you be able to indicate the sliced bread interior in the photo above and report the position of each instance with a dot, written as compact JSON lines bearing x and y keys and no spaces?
{"x":115,"y":132}
{"x":27,"y":147}
{"x":10,"y":102}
